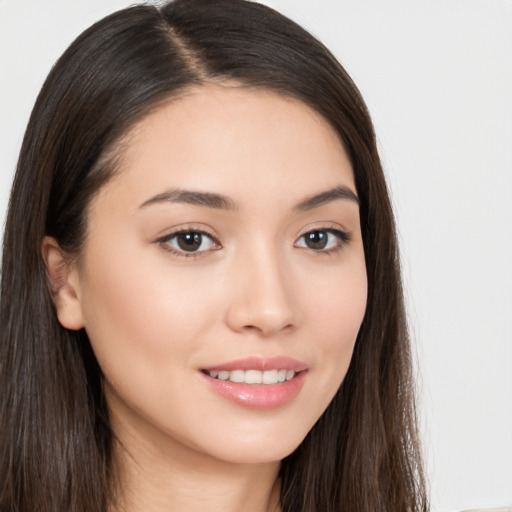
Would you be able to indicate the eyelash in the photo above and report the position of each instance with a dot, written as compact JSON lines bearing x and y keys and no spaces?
{"x":165,"y":242}
{"x":343,"y":238}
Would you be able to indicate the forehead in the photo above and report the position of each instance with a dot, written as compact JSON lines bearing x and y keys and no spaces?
{"x":220,"y":138}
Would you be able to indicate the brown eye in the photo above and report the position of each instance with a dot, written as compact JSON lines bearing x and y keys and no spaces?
{"x":189,"y":242}
{"x":316,"y":239}
{"x":323,"y":240}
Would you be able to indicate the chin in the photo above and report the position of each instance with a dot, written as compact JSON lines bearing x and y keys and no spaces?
{"x":258,"y":448}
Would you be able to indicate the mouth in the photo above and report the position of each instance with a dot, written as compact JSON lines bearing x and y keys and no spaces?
{"x":256,"y":382}
{"x":269,"y":377}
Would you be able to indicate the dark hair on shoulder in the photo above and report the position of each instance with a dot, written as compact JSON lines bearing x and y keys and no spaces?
{"x":56,"y":443}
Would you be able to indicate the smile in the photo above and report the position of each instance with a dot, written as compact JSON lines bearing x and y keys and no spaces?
{"x":253,"y":376}
{"x":257,"y":382}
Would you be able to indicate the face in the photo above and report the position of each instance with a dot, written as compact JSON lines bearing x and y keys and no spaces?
{"x":223,"y":282}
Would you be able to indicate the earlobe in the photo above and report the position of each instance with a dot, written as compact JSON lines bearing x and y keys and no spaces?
{"x":64,"y":283}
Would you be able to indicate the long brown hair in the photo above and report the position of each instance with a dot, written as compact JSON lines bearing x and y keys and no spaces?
{"x":55,"y":449}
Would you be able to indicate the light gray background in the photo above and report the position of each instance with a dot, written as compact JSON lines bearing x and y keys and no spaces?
{"x":437,"y":76}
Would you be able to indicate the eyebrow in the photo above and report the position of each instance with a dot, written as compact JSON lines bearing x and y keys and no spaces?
{"x":221,"y":202}
{"x":208,"y":199}
{"x":336,"y":193}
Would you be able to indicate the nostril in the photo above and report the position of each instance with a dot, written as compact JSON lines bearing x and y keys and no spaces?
{"x":267,"y":328}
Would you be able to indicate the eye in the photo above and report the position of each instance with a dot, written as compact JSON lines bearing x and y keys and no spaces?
{"x":323,"y":240}
{"x":189,"y":243}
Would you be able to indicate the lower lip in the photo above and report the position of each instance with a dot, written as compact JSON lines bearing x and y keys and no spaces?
{"x":258,"y":396}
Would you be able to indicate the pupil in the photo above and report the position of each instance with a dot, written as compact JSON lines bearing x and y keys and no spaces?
{"x":316,"y":240}
{"x":189,"y":241}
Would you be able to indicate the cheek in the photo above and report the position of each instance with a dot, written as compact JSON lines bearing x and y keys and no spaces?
{"x":131,"y":292}
{"x":339,"y":305}
{"x":133,"y":316}
{"x":341,"y":313}
{"x":336,"y":315}
{"x":145,"y":318}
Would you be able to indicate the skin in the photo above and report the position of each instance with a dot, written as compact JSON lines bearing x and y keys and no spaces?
{"x":155,"y":317}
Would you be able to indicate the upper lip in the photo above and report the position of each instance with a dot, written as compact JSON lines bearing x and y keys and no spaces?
{"x":260,"y":363}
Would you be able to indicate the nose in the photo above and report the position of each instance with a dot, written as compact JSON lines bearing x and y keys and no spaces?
{"x":262,"y":300}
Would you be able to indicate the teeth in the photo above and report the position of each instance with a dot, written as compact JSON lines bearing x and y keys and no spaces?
{"x":253,"y":376}
{"x":270,"y":377}
{"x":236,"y":376}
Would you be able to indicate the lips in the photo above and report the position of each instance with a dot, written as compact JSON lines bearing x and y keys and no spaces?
{"x":257,"y":383}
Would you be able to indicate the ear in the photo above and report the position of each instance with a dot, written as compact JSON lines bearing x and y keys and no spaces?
{"x":65,"y":284}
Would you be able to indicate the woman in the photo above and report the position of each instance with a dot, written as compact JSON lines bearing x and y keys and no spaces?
{"x":201,"y":300}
